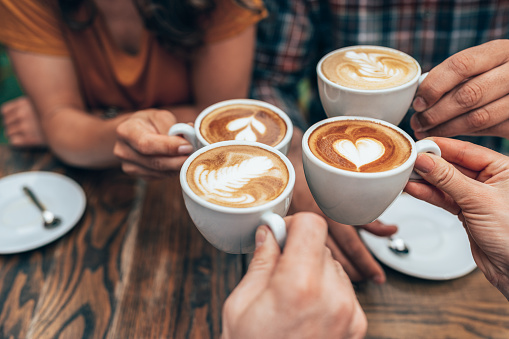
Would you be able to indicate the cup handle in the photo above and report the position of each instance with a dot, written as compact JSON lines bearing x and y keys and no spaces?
{"x":277,"y":225}
{"x":425,"y":146}
{"x":422,"y":77}
{"x":186,"y":131}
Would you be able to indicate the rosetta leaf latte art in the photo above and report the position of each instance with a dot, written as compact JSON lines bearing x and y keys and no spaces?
{"x":226,"y":183}
{"x":371,"y":67}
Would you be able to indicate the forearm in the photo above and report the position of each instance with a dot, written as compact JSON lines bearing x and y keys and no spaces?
{"x":82,"y":139}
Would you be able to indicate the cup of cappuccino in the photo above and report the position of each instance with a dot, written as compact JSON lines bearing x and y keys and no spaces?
{"x":371,"y":81}
{"x":232,"y":187}
{"x":239,"y":119}
{"x":356,"y":167}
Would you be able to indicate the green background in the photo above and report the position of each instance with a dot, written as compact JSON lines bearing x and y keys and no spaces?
{"x":9,"y":87}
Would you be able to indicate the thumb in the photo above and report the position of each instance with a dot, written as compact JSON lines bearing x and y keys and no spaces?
{"x":261,"y":268}
{"x":444,"y":176}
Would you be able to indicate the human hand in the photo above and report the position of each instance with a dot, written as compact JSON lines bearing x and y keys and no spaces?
{"x":472,"y":182}
{"x":466,"y":94}
{"x":300,"y":293}
{"x":21,"y":122}
{"x":144,"y":147}
{"x":348,"y":248}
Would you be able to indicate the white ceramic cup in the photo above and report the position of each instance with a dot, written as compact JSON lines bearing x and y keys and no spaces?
{"x":193,"y":135}
{"x":233,"y":229}
{"x":356,"y":198}
{"x":389,"y":104}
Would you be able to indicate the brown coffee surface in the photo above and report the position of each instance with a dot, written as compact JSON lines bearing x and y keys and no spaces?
{"x":243,"y":122}
{"x":238,"y":176}
{"x":369,"y":68}
{"x":375,"y":147}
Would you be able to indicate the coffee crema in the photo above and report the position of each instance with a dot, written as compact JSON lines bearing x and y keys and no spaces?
{"x":369,"y":68}
{"x":238,"y":176}
{"x":359,"y":146}
{"x":243,"y":122}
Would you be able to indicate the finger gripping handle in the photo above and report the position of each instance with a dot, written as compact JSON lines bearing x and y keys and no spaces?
{"x":186,"y":131}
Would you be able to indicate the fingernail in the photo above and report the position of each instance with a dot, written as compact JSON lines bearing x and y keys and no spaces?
{"x":378,"y":279}
{"x":261,"y":235}
{"x":424,"y":163}
{"x":419,"y":104}
{"x":185,"y":149}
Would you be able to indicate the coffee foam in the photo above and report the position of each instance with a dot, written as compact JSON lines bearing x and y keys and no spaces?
{"x":359,"y":146}
{"x":364,"y":151}
{"x":243,"y":122}
{"x":238,"y":176}
{"x":369,"y":68}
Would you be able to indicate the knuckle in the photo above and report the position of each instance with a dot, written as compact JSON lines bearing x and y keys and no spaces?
{"x":461,"y":64}
{"x":121,"y":130}
{"x":314,"y":224}
{"x":428,"y":118}
{"x":445,"y":176}
{"x":478,"y":118}
{"x":432,"y":91}
{"x":305,"y":292}
{"x":117,"y":151}
{"x":469,"y":95}
{"x":157,"y":164}
{"x":126,"y":168}
{"x":143,"y":145}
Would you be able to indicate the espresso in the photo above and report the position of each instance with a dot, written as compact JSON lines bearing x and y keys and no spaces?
{"x":243,"y":122}
{"x":369,"y":68}
{"x":238,"y":176}
{"x":359,"y":146}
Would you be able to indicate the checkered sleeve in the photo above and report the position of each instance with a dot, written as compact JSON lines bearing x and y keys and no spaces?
{"x":282,"y":42}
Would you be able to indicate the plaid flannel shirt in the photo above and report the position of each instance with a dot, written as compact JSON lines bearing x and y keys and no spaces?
{"x":297,"y":33}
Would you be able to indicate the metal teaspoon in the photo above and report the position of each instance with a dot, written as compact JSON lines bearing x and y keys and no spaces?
{"x":50,"y":220}
{"x":398,"y":245}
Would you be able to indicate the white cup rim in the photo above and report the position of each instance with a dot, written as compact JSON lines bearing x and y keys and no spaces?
{"x":367,"y":91}
{"x":365,"y":175}
{"x":254,"y":102}
{"x":237,"y":210}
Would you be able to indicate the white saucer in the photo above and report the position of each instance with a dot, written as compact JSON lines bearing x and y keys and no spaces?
{"x":21,"y":226}
{"x":439,"y":247}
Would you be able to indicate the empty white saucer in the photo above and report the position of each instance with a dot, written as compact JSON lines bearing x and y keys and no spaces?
{"x":439,"y":246}
{"x":21,"y":225}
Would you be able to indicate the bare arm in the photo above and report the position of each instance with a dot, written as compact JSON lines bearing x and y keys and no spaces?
{"x":75,"y":136}
{"x":221,"y":71}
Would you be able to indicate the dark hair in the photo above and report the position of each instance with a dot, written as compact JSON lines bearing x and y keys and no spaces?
{"x":178,"y":24}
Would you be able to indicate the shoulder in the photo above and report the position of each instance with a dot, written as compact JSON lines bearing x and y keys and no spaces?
{"x":232,"y":17}
{"x":32,"y":26}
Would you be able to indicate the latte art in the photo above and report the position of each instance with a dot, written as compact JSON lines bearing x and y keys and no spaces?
{"x":238,"y":176}
{"x":369,"y":68}
{"x":245,"y":127}
{"x":359,"y":146}
{"x":243,"y":122}
{"x":364,"y":151}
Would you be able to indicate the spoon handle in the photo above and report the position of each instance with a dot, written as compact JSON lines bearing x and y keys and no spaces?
{"x":32,"y":196}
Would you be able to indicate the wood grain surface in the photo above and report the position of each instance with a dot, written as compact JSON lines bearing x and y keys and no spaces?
{"x":136,"y":267}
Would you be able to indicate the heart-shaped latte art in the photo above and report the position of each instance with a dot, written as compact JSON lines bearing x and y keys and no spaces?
{"x":364,"y":151}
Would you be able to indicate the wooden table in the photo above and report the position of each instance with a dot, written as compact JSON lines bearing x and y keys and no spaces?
{"x":136,"y":267}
